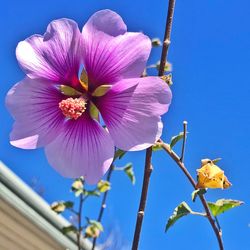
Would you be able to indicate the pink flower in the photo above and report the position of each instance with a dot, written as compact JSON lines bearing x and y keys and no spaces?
{"x":54,"y":109}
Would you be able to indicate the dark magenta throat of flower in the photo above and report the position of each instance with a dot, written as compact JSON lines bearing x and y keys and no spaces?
{"x":81,"y":99}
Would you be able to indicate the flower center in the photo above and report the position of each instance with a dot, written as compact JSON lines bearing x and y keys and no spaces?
{"x":73,"y":108}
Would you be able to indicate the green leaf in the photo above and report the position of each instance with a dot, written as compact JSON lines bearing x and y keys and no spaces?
{"x":60,"y":206}
{"x":180,"y":211}
{"x":68,"y":229}
{"x":119,"y":154}
{"x":101,"y":90}
{"x":156,"y":147}
{"x":128,"y":169}
{"x":103,"y":186}
{"x":68,"y":204}
{"x":156,"y":42}
{"x":197,"y":192}
{"x":91,"y":193}
{"x":69,"y":91}
{"x":216,"y":160}
{"x":97,"y":224}
{"x":175,"y":139}
{"x":222,"y":205}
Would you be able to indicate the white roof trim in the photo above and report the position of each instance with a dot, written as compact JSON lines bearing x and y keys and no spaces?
{"x":14,"y":191}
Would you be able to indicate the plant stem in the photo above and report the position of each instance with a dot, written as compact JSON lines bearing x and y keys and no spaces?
{"x":148,"y":166}
{"x":184,"y":141}
{"x":147,"y":172}
{"x":80,"y":222}
{"x":200,"y":214}
{"x":218,"y":224}
{"x":103,"y":205}
{"x":175,"y":157}
{"x":167,"y":35}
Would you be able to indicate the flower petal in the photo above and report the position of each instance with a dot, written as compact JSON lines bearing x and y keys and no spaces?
{"x":106,"y":21}
{"x":110,"y":53}
{"x":131,"y":110}
{"x":34,"y":106}
{"x":55,"y":56}
{"x":83,"y":149}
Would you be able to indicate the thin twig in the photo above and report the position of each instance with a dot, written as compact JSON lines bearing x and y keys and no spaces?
{"x":218,"y":224}
{"x":175,"y":157}
{"x":199,"y":214}
{"x":147,"y":172}
{"x":148,"y":165}
{"x":80,"y":222}
{"x":103,"y":205}
{"x":167,"y":35}
{"x":184,"y":141}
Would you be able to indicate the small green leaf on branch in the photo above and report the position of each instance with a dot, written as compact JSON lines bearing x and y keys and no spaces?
{"x":68,"y":204}
{"x":91,"y":193}
{"x":182,"y":210}
{"x":128,"y":169}
{"x":223,"y":205}
{"x":103,"y":186}
{"x":175,"y":139}
{"x":119,"y":154}
{"x":197,"y":192}
{"x":68,"y":229}
{"x":60,"y":206}
{"x":156,"y":42}
{"x":216,"y":160}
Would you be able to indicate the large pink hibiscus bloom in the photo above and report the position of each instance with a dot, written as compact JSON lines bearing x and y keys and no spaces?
{"x":55,"y":108}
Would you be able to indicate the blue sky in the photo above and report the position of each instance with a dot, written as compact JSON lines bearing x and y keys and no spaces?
{"x":210,"y":55}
